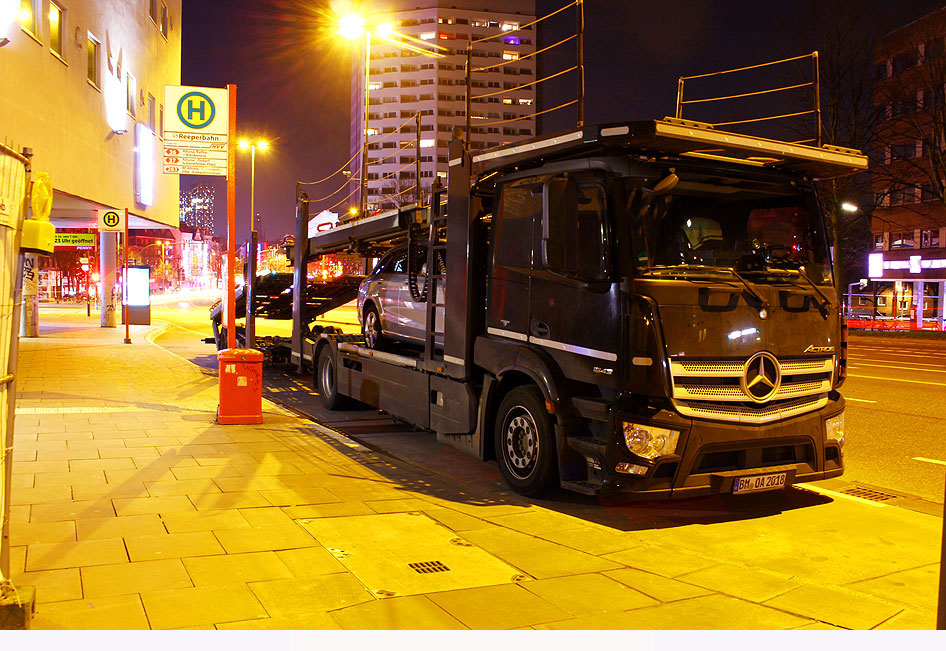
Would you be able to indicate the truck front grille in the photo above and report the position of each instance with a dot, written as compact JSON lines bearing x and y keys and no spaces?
{"x":713,"y":389}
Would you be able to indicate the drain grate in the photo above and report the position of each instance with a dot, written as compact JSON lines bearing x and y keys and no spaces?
{"x":428,"y":567}
{"x":868,"y":494}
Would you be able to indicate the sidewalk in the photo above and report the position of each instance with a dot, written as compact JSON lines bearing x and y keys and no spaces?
{"x":134,"y":510}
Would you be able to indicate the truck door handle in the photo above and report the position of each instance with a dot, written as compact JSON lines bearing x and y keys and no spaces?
{"x":540,"y":329}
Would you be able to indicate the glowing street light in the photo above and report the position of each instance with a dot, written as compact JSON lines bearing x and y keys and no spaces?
{"x":250,"y":332}
{"x":847,"y":206}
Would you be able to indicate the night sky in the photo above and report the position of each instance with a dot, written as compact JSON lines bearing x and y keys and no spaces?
{"x":293,"y":74}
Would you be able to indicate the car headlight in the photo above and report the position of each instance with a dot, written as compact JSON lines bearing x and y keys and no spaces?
{"x":650,"y":442}
{"x":834,"y":429}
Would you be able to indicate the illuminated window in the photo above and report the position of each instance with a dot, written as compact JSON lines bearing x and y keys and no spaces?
{"x":510,"y":26}
{"x":153,"y":10}
{"x":92,"y":65}
{"x":525,"y":102}
{"x":55,"y":29}
{"x":507,"y":100}
{"x":510,"y":56}
{"x":131,"y":87}
{"x":27,"y":16}
{"x":428,"y":36}
{"x":165,"y":20}
{"x":511,"y":40}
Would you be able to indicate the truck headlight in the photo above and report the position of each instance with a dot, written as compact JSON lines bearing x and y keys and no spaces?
{"x":650,"y":442}
{"x":834,"y":429}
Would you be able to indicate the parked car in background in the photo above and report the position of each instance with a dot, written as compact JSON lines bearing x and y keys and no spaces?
{"x":387,"y":311}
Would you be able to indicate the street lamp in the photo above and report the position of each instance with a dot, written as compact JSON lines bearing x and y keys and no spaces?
{"x":250,"y":327}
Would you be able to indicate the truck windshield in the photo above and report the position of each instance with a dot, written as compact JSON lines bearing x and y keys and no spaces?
{"x":711,"y":223}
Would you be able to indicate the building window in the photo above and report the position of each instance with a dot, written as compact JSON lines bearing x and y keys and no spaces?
{"x":165,"y":20}
{"x":511,"y":40}
{"x":92,"y":60}
{"x":428,"y":36}
{"x":929,"y":238}
{"x":161,"y":121}
{"x":902,"y":240}
{"x":904,"y":61}
{"x":153,"y":11}
{"x":879,"y":242}
{"x":510,"y":56}
{"x":56,"y":28}
{"x":131,"y":88}
{"x":27,"y":17}
{"x":151,"y":113}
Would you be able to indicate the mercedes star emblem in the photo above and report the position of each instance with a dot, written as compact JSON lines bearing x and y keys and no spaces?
{"x":761,"y":377}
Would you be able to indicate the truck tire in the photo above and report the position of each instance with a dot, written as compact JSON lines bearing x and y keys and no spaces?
{"x":325,"y":379}
{"x":525,"y":444}
{"x":371,"y":329}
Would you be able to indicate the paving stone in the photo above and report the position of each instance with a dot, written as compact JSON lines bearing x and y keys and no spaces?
{"x":51,"y":556}
{"x":752,"y":583}
{"x":237,"y":500}
{"x":172,"y":545}
{"x":139,"y":475}
{"x":310,"y":621}
{"x":109,"y":491}
{"x":201,"y":605}
{"x":844,"y":608}
{"x":103,"y":613}
{"x":205,"y":472}
{"x":71,"y":511}
{"x":534,"y":556}
{"x":181,"y":487}
{"x":18,"y":482}
{"x":713,"y":611}
{"x":588,"y":594}
{"x":298,"y":496}
{"x":58,"y":465}
{"x":415,"y":613}
{"x":140,"y":505}
{"x":91,"y":478}
{"x":119,"y":527}
{"x":243,"y":483}
{"x":910,"y":620}
{"x":654,"y":585}
{"x":498,"y":607}
{"x":42,"y":532}
{"x":52,"y":585}
{"x":204,"y":521}
{"x":310,"y":561}
{"x":916,"y":588}
{"x":660,"y":560}
{"x":87,"y":465}
{"x":271,"y":538}
{"x":333,"y":510}
{"x":165,"y":461}
{"x":593,"y":540}
{"x":293,"y":597}
{"x":239,"y":568}
{"x":134,"y":577}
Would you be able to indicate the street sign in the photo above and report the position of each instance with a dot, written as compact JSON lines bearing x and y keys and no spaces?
{"x":196,"y":130}
{"x":111,"y":220}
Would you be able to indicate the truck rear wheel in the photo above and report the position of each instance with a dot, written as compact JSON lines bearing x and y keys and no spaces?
{"x":525,"y":446}
{"x":326,"y":382}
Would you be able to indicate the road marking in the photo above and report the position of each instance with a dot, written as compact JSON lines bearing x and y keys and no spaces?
{"x":825,"y":491}
{"x":858,"y":399}
{"x":936,"y":461}
{"x":905,"y":368}
{"x":896,"y":379}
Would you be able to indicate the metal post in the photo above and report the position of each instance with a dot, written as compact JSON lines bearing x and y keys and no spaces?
{"x":364,"y":150}
{"x":919,"y":291}
{"x":941,"y":609}
{"x":679,"y":112}
{"x":467,"y":137}
{"x":125,"y":281}
{"x":249,"y":286}
{"x":417,"y":193}
{"x":29,"y":315}
{"x":580,"y":15}
{"x":299,"y":279}
{"x":231,"y":221}
{"x":817,"y":82}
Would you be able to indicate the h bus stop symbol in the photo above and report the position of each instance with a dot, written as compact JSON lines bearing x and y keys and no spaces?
{"x":196,"y":110}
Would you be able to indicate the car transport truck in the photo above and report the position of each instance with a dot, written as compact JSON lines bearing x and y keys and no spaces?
{"x":643,"y":309}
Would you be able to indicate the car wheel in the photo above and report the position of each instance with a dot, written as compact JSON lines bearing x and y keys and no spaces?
{"x":371,"y":329}
{"x":326,"y":382}
{"x":525,"y":446}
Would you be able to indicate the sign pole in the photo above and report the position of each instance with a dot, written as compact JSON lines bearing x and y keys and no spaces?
{"x":231,"y":221}
{"x":125,"y":280}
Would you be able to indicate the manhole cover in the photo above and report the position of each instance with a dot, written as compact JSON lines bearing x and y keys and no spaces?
{"x":391,"y":554}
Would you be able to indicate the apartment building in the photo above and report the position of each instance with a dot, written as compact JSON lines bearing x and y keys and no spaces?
{"x":909,"y":221}
{"x":403,"y":82}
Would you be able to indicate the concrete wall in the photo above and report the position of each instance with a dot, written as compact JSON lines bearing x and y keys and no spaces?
{"x":48,"y":104}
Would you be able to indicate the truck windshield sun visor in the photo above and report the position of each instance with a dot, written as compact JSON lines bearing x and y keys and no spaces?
{"x":744,"y":227}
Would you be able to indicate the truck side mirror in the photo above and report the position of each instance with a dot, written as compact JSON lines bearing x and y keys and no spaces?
{"x":559,"y":207}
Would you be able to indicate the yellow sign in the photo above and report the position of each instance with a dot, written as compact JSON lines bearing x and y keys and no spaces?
{"x":75,"y":239}
{"x":111,"y":220}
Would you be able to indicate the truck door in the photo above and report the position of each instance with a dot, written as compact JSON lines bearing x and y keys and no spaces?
{"x":507,"y":313}
{"x":575,"y":305}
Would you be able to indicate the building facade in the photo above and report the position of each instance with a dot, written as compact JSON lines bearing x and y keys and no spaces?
{"x":908,"y":259}
{"x":403,"y":82}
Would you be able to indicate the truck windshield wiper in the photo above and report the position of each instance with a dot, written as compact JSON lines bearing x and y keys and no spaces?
{"x":786,"y":273}
{"x":764,"y":304}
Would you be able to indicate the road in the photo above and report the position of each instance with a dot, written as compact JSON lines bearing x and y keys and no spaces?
{"x":896,"y":392}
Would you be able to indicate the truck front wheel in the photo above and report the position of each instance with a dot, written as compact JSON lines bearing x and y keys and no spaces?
{"x":326,"y":382}
{"x":525,"y":446}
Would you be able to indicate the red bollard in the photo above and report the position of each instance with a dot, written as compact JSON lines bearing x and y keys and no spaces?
{"x":241,"y":386}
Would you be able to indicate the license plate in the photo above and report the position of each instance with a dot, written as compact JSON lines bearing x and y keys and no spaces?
{"x":759,"y":483}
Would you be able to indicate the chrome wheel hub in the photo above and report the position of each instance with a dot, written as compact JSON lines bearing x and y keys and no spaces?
{"x":521,"y":443}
